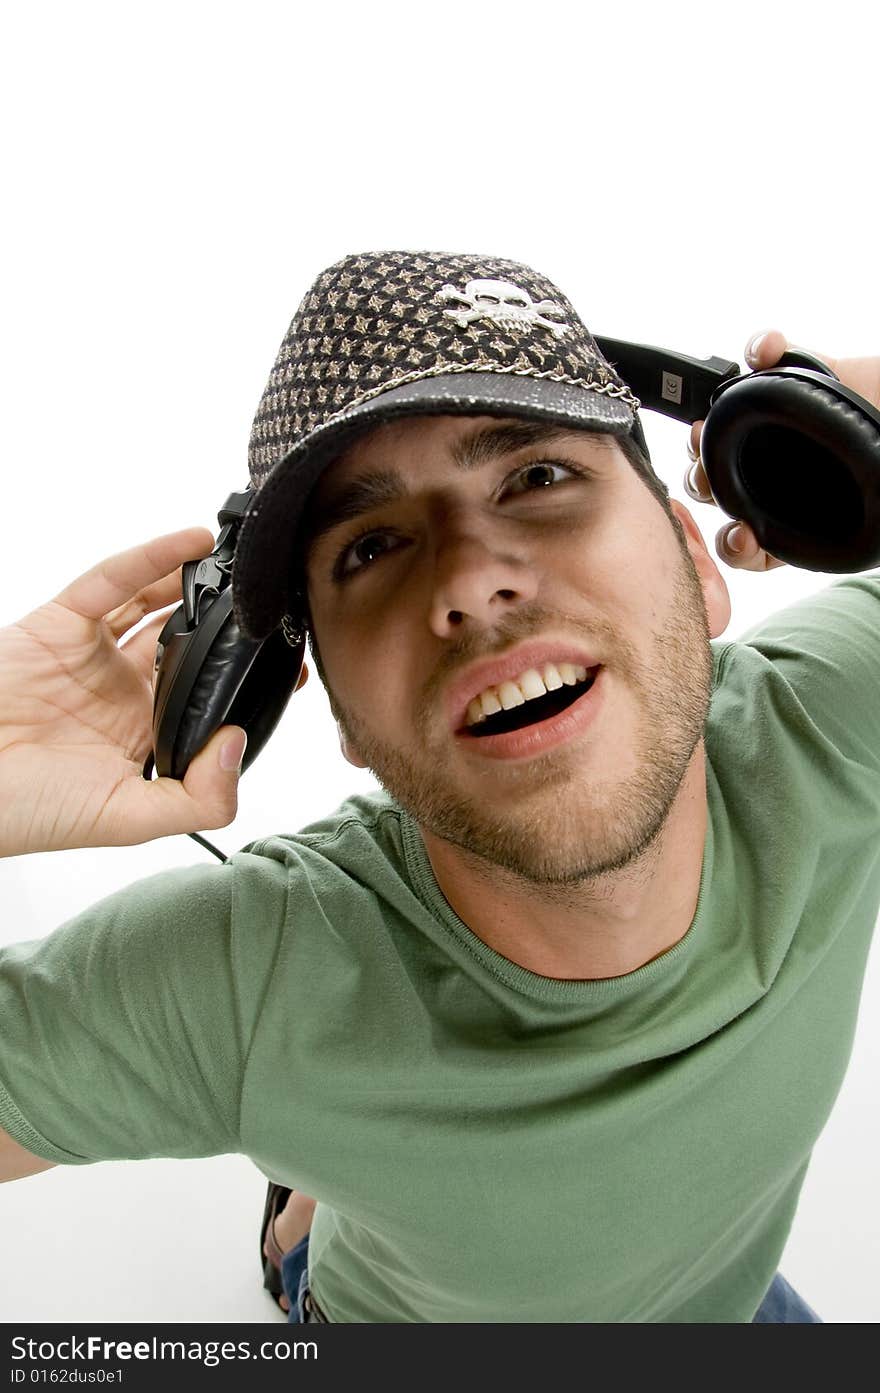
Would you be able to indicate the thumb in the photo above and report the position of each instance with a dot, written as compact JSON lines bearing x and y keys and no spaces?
{"x":233,"y":743}
{"x":766,"y":348}
{"x":210,"y":784}
{"x":207,"y":797}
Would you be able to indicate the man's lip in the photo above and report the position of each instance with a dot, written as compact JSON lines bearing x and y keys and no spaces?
{"x":506,"y":667}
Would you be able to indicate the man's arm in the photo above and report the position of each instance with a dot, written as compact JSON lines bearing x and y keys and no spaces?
{"x":16,"y":1163}
{"x":75,"y":713}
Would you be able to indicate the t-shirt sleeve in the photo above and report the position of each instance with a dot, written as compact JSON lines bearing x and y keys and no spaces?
{"x":125,"y":1033}
{"x":827,"y":647}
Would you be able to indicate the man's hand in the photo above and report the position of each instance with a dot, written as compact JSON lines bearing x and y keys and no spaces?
{"x":763,"y":351}
{"x":76,"y":711}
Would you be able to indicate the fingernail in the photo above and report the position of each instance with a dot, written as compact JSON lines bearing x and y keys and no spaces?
{"x":754,"y":346}
{"x":232,"y":752}
{"x":735,"y":539}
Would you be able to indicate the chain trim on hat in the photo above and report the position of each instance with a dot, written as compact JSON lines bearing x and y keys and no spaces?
{"x":608,"y":389}
{"x":478,"y":364}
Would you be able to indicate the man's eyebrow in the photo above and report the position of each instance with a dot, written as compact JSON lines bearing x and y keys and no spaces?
{"x":360,"y":495}
{"x":367,"y":492}
{"x":489,"y":442}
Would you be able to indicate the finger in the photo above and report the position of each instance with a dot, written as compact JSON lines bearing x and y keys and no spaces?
{"x":167,"y":591}
{"x":284,"y":1303}
{"x":693,"y":446}
{"x":765,"y":348}
{"x":303,"y":677}
{"x":750,"y":555}
{"x":696,"y":484}
{"x":113,"y":582}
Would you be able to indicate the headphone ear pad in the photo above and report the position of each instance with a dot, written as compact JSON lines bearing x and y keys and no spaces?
{"x":269,"y":684}
{"x":790,"y":455}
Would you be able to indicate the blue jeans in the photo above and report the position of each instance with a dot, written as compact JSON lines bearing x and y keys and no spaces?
{"x":295,"y":1280}
{"x":781,"y":1304}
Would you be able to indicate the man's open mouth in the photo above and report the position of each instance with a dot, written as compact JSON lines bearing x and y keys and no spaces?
{"x":527,"y":711}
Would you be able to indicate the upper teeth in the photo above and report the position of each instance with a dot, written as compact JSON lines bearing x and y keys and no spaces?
{"x":532,"y":683}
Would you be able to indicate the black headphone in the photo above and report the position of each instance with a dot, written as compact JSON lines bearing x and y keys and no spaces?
{"x":789,"y":450}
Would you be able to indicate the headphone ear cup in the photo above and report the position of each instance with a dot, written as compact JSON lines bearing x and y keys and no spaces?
{"x":211,"y":676}
{"x":791,"y":454}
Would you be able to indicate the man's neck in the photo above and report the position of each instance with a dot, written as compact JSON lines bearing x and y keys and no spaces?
{"x":603,"y":928}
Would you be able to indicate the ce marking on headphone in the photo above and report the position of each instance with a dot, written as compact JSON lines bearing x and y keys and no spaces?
{"x":671,"y":386}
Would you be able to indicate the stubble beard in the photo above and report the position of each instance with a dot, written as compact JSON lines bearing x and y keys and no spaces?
{"x":549,"y":832}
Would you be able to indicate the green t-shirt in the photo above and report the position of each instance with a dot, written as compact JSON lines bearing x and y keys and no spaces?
{"x":487,"y":1144}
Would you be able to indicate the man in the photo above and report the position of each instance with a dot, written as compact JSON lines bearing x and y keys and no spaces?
{"x":548,"y":1026}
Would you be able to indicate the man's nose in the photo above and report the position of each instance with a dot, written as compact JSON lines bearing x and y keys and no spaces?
{"x":476,"y":581}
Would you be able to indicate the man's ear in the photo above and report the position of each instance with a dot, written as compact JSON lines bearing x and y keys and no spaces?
{"x":715,"y":592}
{"x":349,"y":750}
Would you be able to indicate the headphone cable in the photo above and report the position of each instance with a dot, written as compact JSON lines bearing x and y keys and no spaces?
{"x":202,"y":842}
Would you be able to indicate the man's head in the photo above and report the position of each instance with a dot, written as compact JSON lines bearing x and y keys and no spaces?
{"x":477,"y":491}
{"x":436,"y":545}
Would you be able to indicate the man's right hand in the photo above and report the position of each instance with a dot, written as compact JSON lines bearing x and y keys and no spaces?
{"x":76,"y":711}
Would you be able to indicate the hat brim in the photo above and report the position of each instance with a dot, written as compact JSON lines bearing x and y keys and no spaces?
{"x":262,"y":570}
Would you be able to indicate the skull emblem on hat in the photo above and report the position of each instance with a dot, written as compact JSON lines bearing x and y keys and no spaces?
{"x":503,"y":302}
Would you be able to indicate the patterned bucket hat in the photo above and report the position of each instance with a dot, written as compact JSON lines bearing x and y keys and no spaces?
{"x":383,"y":335}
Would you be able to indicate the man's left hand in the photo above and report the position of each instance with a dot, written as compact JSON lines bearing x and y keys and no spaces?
{"x":763,"y":351}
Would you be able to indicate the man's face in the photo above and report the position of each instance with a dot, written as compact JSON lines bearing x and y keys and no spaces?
{"x":442,"y":545}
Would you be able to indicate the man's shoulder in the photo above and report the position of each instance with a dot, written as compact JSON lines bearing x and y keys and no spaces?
{"x":364,"y":829}
{"x":840,"y":609}
{"x":812,"y":665}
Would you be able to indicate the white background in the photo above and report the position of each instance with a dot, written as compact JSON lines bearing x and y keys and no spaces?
{"x":174,"y":177}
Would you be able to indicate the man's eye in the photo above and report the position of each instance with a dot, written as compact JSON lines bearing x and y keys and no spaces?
{"x":363,"y":551}
{"x":542,"y":474}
